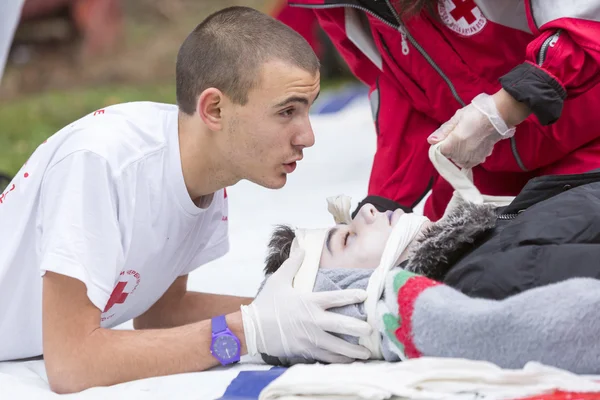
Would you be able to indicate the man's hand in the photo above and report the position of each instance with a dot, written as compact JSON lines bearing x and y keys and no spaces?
{"x":470,"y":135}
{"x":283,"y":322}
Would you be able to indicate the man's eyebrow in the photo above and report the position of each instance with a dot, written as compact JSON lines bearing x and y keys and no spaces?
{"x":292,"y":99}
{"x":296,"y":99}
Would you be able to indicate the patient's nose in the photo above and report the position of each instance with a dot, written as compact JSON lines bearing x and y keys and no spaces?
{"x":369,"y":213}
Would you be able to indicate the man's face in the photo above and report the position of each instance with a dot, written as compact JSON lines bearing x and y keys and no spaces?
{"x":361,"y":243}
{"x":266,"y":136}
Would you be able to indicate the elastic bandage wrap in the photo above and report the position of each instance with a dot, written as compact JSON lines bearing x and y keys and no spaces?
{"x":312,"y":241}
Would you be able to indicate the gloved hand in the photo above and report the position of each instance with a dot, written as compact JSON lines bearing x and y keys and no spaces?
{"x":470,"y":135}
{"x":283,"y":322}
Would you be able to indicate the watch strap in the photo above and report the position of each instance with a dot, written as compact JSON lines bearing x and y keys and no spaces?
{"x":219,"y":324}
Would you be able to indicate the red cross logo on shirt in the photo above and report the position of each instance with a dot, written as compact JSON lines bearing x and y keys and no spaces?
{"x":464,"y":9}
{"x":119,"y":295}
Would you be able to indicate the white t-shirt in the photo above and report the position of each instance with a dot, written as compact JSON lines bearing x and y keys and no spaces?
{"x":103,"y":201}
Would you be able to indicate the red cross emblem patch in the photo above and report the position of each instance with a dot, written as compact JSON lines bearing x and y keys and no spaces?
{"x":462,"y":16}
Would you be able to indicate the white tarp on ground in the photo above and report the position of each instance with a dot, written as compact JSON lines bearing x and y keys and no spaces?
{"x":340,"y":162}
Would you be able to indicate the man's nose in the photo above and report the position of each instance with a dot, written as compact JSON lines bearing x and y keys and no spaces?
{"x":369,"y":213}
{"x":305,"y":138}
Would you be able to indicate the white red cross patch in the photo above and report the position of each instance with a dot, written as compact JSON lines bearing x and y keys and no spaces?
{"x":462,"y":16}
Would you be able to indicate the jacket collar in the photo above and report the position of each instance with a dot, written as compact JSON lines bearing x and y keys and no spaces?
{"x":542,"y":188}
{"x":446,"y":241}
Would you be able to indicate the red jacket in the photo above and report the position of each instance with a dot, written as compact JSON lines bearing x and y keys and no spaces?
{"x":545,"y":53}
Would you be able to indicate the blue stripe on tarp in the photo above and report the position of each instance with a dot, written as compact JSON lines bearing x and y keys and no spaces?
{"x":336,"y":101}
{"x":248,"y":384}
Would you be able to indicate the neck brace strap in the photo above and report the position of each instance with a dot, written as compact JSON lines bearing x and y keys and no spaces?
{"x":462,"y":182}
{"x":404,"y":232}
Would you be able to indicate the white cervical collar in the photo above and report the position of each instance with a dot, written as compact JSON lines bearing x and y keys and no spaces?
{"x":403,"y":234}
{"x":312,"y":240}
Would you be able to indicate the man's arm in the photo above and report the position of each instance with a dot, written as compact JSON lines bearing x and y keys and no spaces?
{"x":79,"y":354}
{"x":180,"y":307}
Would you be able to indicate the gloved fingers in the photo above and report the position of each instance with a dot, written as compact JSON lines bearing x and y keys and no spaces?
{"x":442,"y":132}
{"x":330,"y":358}
{"x":339,"y":346}
{"x":447,"y":148}
{"x":338,"y":298}
{"x":343,"y":324}
{"x":290,"y":267}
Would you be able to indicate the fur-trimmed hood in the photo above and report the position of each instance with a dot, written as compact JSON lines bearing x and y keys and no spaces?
{"x":444,"y":242}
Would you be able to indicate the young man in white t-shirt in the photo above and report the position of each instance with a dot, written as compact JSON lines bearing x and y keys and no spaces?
{"x":107,"y":218}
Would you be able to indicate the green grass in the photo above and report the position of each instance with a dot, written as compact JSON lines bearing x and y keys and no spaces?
{"x":27,"y":122}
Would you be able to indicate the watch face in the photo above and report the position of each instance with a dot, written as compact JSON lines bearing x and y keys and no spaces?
{"x":226,"y":348}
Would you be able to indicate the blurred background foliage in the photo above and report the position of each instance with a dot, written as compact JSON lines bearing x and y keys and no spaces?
{"x":71,"y":57}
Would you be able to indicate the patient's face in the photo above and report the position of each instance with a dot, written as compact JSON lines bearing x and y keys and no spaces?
{"x":361,"y":243}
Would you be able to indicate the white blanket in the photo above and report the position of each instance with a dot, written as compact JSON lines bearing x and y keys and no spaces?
{"x":422,"y":378}
{"x":27,"y":380}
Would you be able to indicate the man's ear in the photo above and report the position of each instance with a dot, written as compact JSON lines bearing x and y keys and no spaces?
{"x":209,"y":108}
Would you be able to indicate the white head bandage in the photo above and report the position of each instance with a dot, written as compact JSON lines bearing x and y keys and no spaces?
{"x":312,"y":240}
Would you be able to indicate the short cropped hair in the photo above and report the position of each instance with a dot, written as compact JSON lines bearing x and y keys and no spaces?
{"x":279,"y":248}
{"x":227,"y":50}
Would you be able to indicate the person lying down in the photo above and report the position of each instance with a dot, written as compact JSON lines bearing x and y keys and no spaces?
{"x":480,"y":284}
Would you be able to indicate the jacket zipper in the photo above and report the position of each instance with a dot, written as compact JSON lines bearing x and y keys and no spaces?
{"x":420,"y":49}
{"x":403,"y":32}
{"x":549,"y":42}
{"x":325,"y":6}
{"x":405,"y":49}
{"x":507,"y":217}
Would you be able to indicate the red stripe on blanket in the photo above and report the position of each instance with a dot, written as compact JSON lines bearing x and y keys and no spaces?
{"x":558,"y":395}
{"x":407,"y":295}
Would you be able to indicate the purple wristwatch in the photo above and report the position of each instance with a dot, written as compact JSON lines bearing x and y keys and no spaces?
{"x":225,"y":346}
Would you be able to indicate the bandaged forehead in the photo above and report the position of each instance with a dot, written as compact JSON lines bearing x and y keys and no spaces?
{"x":311,"y":241}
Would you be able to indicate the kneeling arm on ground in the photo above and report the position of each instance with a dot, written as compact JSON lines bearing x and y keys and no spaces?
{"x":79,"y":354}
{"x":557,"y":325}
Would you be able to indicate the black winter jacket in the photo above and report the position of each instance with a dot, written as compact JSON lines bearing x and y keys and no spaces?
{"x":549,"y":233}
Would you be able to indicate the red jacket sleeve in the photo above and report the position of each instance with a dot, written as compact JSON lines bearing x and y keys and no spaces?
{"x":563,"y":60}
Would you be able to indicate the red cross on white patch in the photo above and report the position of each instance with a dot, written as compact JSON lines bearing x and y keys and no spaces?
{"x":462,"y":16}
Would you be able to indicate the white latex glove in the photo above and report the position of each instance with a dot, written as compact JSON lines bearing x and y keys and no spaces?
{"x":470,"y":135}
{"x":283,"y":322}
